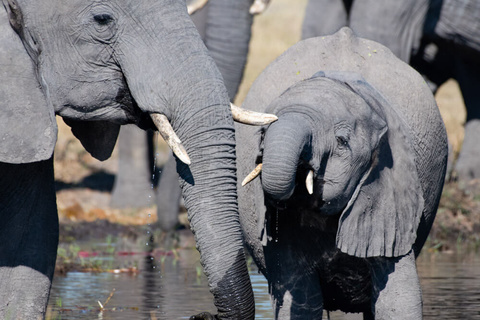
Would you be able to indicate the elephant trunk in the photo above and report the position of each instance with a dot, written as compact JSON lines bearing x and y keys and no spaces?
{"x":182,"y":82}
{"x":210,"y":194}
{"x":285,"y":142}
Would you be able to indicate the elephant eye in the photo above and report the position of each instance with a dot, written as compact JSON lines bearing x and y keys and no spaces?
{"x":103,"y":19}
{"x":103,"y":26}
{"x":342,"y":141}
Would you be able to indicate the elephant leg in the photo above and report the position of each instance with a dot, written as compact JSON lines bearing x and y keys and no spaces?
{"x":398,"y":25}
{"x":168,"y":196}
{"x":296,"y":296}
{"x":294,"y":289}
{"x":28,"y":238}
{"x":468,"y":163}
{"x":396,"y":288}
{"x":227,"y":37}
{"x":133,"y":183}
{"x":324,"y":17}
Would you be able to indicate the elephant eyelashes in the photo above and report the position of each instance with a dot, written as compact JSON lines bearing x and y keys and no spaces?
{"x":103,"y":19}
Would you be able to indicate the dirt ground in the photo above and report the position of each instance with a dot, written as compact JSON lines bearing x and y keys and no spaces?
{"x":84,"y":184}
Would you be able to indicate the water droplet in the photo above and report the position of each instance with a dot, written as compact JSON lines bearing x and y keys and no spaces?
{"x":146,"y":244}
{"x":148,"y":232}
{"x":149,"y":215}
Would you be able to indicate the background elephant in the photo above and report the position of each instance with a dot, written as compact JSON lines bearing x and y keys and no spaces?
{"x":367,"y":126}
{"x":440,"y":38}
{"x":225,"y":27}
{"x":100,"y":66}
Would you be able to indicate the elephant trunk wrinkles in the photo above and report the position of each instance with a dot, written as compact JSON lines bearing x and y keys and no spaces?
{"x":186,"y":86}
{"x":203,"y":121}
{"x":285,"y":142}
{"x":209,"y":190}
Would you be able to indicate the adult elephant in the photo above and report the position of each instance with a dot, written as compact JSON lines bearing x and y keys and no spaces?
{"x":351,"y":176}
{"x":439,"y":38}
{"x":100,"y":65}
{"x":225,"y":27}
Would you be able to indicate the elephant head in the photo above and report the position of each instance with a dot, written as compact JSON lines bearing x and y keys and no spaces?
{"x":339,"y":148}
{"x":100,"y":64}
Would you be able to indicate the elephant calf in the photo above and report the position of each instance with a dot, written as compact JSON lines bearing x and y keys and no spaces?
{"x":350,"y":179}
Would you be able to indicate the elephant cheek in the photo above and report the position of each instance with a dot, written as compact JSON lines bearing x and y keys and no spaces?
{"x":334,"y":197}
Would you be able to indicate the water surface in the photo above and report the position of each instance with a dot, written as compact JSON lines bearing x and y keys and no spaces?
{"x":173,"y":287}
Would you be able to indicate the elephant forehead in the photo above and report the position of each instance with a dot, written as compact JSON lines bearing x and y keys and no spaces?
{"x":322,"y":95}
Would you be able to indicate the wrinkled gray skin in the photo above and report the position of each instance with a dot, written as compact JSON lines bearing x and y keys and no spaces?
{"x":101,"y":65}
{"x":439,"y":38}
{"x":225,"y":27}
{"x":369,"y":128}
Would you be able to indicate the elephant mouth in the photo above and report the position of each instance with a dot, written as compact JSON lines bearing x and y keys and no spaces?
{"x":133,"y":112}
{"x":301,"y":197}
{"x":303,"y":201}
{"x":120,"y":108}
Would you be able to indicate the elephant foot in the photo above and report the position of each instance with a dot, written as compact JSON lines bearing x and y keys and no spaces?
{"x":204,"y":316}
{"x":467,"y":167}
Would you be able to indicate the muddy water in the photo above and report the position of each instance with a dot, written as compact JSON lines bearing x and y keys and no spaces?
{"x":173,"y":287}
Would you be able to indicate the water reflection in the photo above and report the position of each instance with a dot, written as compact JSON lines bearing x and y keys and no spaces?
{"x":451,"y":285}
{"x":169,"y":287}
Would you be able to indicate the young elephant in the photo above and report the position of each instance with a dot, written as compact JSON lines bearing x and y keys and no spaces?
{"x":351,"y":177}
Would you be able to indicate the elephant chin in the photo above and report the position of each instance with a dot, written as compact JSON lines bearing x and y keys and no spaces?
{"x":97,"y":137}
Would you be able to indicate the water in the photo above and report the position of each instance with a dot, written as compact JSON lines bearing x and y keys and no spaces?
{"x":450,"y":285}
{"x":176,"y":289}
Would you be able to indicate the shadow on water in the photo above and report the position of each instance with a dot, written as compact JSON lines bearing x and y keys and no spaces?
{"x":172,"y":286}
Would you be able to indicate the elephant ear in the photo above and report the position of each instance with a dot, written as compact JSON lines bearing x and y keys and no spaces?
{"x":28,"y":130}
{"x":97,"y":137}
{"x":383,"y":215}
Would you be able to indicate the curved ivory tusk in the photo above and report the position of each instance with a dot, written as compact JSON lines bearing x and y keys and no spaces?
{"x":309,"y":182}
{"x":252,"y":175}
{"x":251,"y":117}
{"x":196,"y":5}
{"x":259,"y":6}
{"x":165,"y":129}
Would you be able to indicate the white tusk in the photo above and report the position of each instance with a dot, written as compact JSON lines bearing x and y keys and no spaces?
{"x":309,"y":182}
{"x":251,"y":117}
{"x":166,"y":130}
{"x":259,"y":6}
{"x":252,"y":175}
{"x":196,"y":5}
